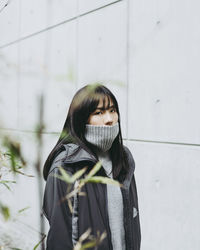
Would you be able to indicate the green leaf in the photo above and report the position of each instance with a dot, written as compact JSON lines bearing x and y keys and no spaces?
{"x":14,"y":152}
{"x":23,"y":209}
{"x":78,"y":174}
{"x":85,"y":235}
{"x":68,"y":178}
{"x":89,"y":244}
{"x":5,"y":183}
{"x":94,"y":170}
{"x":104,"y":180}
{"x":37,"y":245}
{"x":64,"y":175}
{"x":5,"y":211}
{"x":22,"y":173}
{"x":59,"y":177}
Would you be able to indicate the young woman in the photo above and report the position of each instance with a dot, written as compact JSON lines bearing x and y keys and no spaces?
{"x":92,"y":133}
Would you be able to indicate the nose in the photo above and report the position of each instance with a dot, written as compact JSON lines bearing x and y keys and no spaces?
{"x":108,"y":119}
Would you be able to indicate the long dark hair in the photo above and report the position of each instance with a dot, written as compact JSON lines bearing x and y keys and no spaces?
{"x":85,"y":102}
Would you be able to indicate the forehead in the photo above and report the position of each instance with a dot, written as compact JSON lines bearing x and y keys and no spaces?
{"x":105,"y":102}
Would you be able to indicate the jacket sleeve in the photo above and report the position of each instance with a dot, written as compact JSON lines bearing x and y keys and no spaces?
{"x":134,"y":198}
{"x":58,"y":213}
{"x":136,"y":215}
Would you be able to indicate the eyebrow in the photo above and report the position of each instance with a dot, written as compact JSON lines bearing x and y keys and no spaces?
{"x":102,"y":108}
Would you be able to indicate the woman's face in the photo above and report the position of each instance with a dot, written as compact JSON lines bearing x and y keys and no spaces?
{"x":103,"y":116}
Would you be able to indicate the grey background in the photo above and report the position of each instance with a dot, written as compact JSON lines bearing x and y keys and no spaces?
{"x":147,"y":52}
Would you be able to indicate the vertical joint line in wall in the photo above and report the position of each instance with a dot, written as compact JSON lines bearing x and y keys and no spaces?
{"x":47,"y":43}
{"x":127,"y":67}
{"x":76,"y":44}
{"x":18,"y":65}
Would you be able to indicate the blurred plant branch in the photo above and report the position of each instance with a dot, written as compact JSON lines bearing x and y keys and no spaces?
{"x":93,"y":241}
{"x":12,"y":161}
{"x":89,"y":178}
{"x":39,"y":132}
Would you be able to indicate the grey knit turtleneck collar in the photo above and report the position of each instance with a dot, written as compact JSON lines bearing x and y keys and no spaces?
{"x":101,"y":136}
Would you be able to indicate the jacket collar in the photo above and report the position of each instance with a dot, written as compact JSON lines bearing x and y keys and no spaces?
{"x":75,"y":154}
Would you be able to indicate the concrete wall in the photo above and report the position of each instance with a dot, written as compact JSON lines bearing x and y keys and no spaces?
{"x":147,"y":52}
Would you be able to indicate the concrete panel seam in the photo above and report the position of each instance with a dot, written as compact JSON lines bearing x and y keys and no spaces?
{"x":58,"y":24}
{"x":28,"y":131}
{"x":163,"y":142}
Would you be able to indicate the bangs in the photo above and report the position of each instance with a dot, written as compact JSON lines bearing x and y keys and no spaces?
{"x":96,"y":98}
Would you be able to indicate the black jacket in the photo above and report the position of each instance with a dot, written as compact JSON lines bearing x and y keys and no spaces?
{"x":92,"y":208}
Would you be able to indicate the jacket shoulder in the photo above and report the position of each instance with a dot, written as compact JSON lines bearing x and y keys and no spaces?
{"x":67,"y":151}
{"x":71,"y":155}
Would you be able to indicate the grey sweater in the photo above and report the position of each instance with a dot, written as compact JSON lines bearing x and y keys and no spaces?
{"x":115,"y":206}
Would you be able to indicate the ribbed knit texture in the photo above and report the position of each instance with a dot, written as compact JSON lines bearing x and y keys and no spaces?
{"x":101,"y":136}
{"x":115,"y":206}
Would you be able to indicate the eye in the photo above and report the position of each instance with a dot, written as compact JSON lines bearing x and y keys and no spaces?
{"x":113,"y":110}
{"x":98,"y":113}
